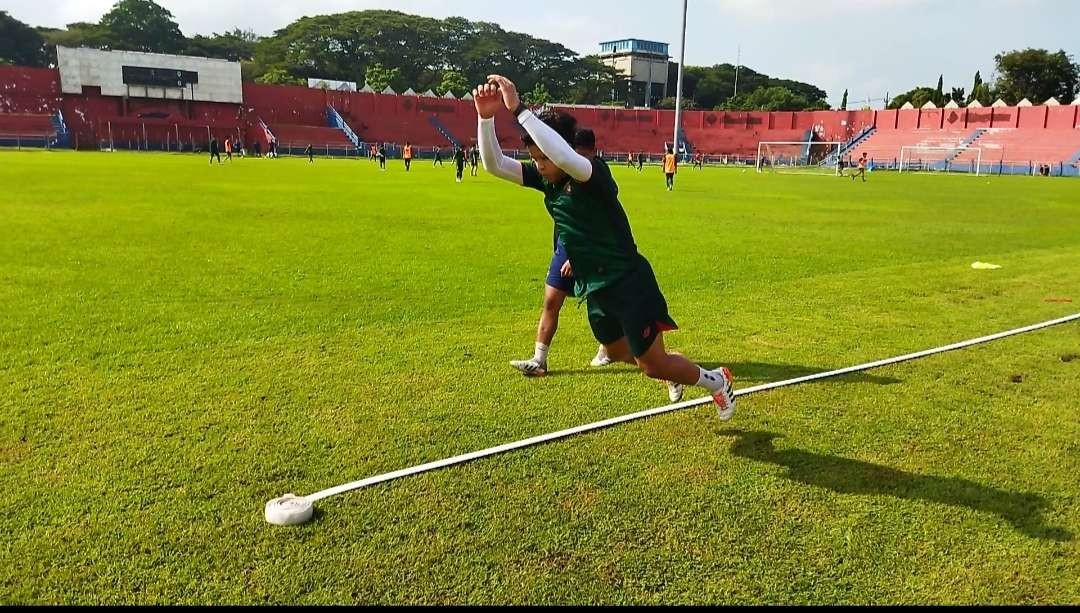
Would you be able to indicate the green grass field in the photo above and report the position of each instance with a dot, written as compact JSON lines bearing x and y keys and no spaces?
{"x":180,"y":343}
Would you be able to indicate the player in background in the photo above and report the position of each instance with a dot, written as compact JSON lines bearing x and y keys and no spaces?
{"x":671,"y":166}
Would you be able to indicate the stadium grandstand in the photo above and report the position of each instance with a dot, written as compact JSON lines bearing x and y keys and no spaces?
{"x":155,"y":102}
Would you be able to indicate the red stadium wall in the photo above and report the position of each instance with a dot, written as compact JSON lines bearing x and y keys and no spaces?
{"x":393,"y":118}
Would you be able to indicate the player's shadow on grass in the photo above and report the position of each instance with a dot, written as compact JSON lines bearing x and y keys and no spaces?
{"x":754,"y":372}
{"x":846,"y":476}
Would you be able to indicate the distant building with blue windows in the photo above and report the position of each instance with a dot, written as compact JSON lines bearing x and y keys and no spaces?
{"x":644,"y":64}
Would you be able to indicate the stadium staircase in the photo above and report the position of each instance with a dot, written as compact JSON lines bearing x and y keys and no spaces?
{"x":442,"y":129}
{"x":849,"y":146}
{"x":687,"y":145}
{"x":63,"y":136}
{"x":335,"y":120}
{"x":967,"y":142}
{"x":1072,"y":163}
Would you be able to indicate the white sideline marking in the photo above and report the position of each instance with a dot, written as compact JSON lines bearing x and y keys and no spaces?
{"x":536,"y":440}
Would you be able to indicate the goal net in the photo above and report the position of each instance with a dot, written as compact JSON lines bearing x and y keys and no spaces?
{"x":807,"y":157}
{"x":959,"y":159}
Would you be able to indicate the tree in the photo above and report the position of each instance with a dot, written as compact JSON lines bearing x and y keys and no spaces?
{"x":592,"y":82}
{"x":78,"y":34}
{"x":278,"y":76}
{"x":1038,"y":75}
{"x":843,"y":103}
{"x":918,"y":97}
{"x":142,"y":25}
{"x":688,"y":104}
{"x":379,"y":77}
{"x":983,"y":94}
{"x":939,"y":93}
{"x":538,"y":96}
{"x":957,"y":95}
{"x":774,"y":99}
{"x":235,"y":46}
{"x":453,"y":81}
{"x":20,"y":44}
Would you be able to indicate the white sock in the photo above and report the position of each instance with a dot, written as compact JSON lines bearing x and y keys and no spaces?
{"x":712,"y":381}
{"x":541,"y":352}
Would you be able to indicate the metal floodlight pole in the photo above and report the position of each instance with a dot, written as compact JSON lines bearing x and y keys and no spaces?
{"x":678,"y":86}
{"x":738,"y":62}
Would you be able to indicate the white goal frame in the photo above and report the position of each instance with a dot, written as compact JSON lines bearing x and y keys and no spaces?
{"x":905,"y":160}
{"x":835,"y":145}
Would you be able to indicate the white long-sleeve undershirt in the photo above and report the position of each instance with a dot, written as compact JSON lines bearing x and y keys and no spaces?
{"x":556,"y":148}
{"x":491,"y":154}
{"x":547,"y":140}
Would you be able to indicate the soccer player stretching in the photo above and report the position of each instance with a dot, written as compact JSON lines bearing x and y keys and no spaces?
{"x":627,"y":312}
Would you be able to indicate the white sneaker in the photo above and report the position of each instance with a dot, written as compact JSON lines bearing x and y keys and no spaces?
{"x":601,"y":358}
{"x":725,"y":398}
{"x":674,"y":391}
{"x":530,"y":368}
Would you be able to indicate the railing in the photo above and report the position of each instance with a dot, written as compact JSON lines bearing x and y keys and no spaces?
{"x":997,"y":167}
{"x":30,"y":141}
{"x":337,"y":121}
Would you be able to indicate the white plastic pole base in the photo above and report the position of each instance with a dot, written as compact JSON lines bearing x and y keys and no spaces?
{"x":289,"y":510}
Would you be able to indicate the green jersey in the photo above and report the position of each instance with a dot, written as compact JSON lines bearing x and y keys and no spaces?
{"x":591,"y":224}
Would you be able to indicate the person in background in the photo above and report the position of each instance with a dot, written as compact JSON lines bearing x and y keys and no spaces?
{"x":214,"y":153}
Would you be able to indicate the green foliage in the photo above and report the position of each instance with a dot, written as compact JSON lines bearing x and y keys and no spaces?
{"x":20,"y":44}
{"x":235,"y":46}
{"x":537,"y":96}
{"x":843,"y":103}
{"x":142,"y":25}
{"x":378,"y":77}
{"x":279,"y":76}
{"x":917,"y":97}
{"x":688,"y":104}
{"x":453,"y":81}
{"x":1038,"y":75}
{"x":983,"y":94}
{"x":774,"y":98}
{"x":78,"y":34}
{"x":713,"y":87}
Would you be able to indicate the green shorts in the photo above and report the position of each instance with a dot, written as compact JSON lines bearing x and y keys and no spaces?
{"x":632,"y":307}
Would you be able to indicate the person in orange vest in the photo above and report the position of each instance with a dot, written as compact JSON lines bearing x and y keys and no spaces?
{"x":861,"y":172}
{"x":228,"y":149}
{"x":407,"y":155}
{"x":671,"y":166}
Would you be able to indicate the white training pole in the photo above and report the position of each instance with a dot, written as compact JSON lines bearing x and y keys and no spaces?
{"x":291,"y":509}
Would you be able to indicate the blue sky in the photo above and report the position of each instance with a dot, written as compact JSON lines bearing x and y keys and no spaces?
{"x":871,"y":47}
